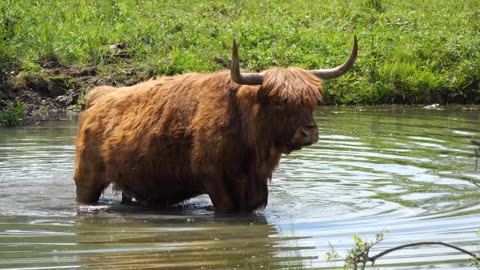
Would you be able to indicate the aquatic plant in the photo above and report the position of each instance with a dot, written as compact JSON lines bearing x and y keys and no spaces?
{"x":13,"y":115}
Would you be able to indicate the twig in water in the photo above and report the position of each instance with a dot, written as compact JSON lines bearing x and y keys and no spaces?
{"x":477,"y":149}
{"x":476,"y":158}
{"x":359,"y":256}
{"x":374,"y":258}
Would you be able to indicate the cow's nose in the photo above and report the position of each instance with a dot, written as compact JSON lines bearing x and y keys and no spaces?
{"x":304,"y":132}
{"x":308,"y":130}
{"x":308,"y":134}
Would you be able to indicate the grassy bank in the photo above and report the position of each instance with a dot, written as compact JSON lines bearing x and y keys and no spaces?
{"x":411,"y":51}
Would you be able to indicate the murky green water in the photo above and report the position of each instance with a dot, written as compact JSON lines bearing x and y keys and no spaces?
{"x":406,"y":170}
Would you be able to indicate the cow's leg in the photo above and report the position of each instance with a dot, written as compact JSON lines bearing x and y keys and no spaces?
{"x":242,"y":194}
{"x":88,"y":189}
{"x":219,"y":195}
{"x":126,"y":199}
{"x":90,"y":181}
{"x":239,"y":194}
{"x":256,"y":195}
{"x":242,"y":199}
{"x":249,"y":193}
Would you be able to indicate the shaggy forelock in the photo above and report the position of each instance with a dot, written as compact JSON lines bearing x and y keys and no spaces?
{"x":293,"y":85}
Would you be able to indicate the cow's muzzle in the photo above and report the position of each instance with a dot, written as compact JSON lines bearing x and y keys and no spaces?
{"x":306,"y":135}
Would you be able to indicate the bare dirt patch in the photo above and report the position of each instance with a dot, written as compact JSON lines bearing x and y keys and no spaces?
{"x":57,"y":87}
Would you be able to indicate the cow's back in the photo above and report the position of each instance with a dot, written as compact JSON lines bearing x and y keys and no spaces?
{"x":148,"y":138}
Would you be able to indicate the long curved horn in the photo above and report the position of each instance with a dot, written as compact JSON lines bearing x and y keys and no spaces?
{"x":331,"y":73}
{"x":247,"y":78}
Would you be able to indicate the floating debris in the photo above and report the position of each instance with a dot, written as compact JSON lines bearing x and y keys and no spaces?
{"x":434,"y":106}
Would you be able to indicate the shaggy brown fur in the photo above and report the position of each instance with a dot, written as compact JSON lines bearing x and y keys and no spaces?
{"x":96,"y":93}
{"x":170,"y":139}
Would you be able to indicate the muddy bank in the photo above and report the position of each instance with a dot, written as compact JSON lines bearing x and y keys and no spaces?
{"x":60,"y":88}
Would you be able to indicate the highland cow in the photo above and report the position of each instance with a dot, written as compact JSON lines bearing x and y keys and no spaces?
{"x":222,"y":134}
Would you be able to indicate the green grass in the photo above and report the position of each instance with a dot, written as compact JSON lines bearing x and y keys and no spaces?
{"x":411,"y":51}
{"x":14,"y":114}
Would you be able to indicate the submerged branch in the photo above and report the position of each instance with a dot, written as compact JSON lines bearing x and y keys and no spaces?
{"x":476,"y":156}
{"x":374,"y":258}
{"x":359,"y":256}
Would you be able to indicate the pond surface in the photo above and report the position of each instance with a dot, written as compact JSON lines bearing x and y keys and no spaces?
{"x":407,"y":170}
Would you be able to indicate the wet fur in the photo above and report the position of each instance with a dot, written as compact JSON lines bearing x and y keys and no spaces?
{"x":170,"y":139}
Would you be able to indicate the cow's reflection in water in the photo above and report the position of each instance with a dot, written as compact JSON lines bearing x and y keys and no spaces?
{"x":191,"y":236}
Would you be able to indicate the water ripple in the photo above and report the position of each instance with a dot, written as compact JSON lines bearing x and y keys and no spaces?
{"x":403,"y":169}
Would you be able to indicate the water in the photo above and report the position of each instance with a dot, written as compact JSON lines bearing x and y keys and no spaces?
{"x":410,"y":171}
